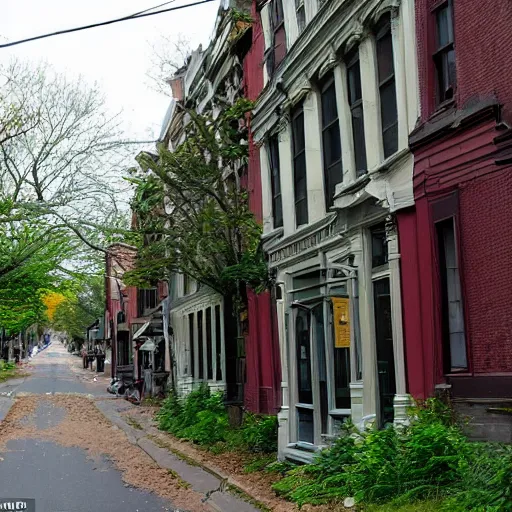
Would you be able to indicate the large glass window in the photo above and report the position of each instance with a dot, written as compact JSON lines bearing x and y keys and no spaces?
{"x":209,"y":346}
{"x":192,"y":347}
{"x":355,"y":99}
{"x":379,"y":246}
{"x":299,"y":167}
{"x":387,"y":87}
{"x":275,"y":181}
{"x":277,"y":51}
{"x":218,"y":343}
{"x":454,"y":335}
{"x":333,"y":169}
{"x":444,"y":57}
{"x":200,"y":347}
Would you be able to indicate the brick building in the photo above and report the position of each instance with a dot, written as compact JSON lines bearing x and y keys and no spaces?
{"x":455,"y":242}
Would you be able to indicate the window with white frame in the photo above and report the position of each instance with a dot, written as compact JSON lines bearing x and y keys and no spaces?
{"x":300,"y":187}
{"x":206,"y":346}
{"x":387,"y":86}
{"x":277,"y":50}
{"x":331,"y":140}
{"x":355,"y":100}
{"x":275,"y":181}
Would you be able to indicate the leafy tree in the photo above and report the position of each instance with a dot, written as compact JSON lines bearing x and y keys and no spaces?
{"x":82,"y":307}
{"x":191,"y":207}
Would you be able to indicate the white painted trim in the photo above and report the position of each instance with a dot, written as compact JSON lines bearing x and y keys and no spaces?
{"x":286,"y":164}
{"x":407,"y":11}
{"x":290,"y":22}
{"x":371,"y":102}
{"x":345,"y":120}
{"x":314,"y":160}
{"x":400,"y":81}
{"x":266,"y":190}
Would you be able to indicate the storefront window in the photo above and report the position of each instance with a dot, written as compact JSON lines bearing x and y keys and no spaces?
{"x":303,"y":357}
{"x":218,"y":344}
{"x":318,"y":319}
{"x":200,"y":343}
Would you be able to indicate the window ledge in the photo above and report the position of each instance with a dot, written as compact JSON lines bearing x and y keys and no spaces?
{"x":275,"y":233}
{"x":352,"y":187}
{"x":390,"y":161}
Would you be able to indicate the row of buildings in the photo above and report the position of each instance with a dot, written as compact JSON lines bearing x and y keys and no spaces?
{"x":380,"y":154}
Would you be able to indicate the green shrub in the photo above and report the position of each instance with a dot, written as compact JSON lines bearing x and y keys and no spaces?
{"x":6,"y":366}
{"x":201,"y":417}
{"x":211,"y":421}
{"x":429,"y":460}
{"x":259,"y":433}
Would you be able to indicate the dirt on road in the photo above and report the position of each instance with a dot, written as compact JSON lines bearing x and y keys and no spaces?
{"x":83,"y":425}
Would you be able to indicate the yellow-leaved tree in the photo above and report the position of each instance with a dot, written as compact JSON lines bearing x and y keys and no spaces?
{"x":52,"y":301}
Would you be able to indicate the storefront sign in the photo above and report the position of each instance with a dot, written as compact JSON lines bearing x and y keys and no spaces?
{"x":341,"y":315}
{"x":28,"y":505}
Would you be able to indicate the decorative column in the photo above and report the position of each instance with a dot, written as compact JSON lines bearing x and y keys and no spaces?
{"x":283,"y":415}
{"x":402,"y":399}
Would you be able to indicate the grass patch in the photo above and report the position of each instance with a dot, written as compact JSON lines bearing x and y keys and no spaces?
{"x":259,"y":463}
{"x":133,"y":423}
{"x":179,"y":481}
{"x":152,"y":402}
{"x":424,"y":506}
{"x":10,"y":371}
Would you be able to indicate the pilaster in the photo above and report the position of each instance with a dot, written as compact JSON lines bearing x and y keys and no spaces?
{"x":314,"y":166}
{"x":371,"y":102}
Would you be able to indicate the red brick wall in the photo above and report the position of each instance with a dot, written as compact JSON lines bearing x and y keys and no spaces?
{"x":483,"y":45}
{"x":486,"y":237}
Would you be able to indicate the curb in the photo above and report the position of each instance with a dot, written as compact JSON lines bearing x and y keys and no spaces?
{"x":232,"y":483}
{"x":227,"y":485}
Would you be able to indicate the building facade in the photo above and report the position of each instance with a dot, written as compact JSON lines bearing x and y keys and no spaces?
{"x":339,"y":101}
{"x":210,"y":80}
{"x":454,"y":242}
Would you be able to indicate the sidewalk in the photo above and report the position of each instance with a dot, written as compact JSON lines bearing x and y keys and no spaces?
{"x":214,"y":486}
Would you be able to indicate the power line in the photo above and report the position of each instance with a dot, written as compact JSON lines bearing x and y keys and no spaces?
{"x":143,"y":14}
{"x":153,"y":8}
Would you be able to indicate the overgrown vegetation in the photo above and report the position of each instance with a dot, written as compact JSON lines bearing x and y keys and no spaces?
{"x":201,"y":417}
{"x":429,"y":461}
{"x":7,"y":370}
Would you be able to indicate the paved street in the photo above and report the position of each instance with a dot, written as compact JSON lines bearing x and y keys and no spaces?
{"x":37,"y":456}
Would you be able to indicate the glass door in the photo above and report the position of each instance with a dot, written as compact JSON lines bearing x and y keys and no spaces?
{"x":312,"y":389}
{"x":305,"y":409}
{"x":385,"y":352}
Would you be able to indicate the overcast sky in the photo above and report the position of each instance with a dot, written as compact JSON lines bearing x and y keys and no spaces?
{"x":115,"y":56}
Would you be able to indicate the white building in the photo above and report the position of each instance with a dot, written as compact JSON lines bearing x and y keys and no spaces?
{"x":340,"y":99}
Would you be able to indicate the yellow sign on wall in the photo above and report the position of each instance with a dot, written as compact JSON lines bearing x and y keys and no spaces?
{"x":341,"y":313}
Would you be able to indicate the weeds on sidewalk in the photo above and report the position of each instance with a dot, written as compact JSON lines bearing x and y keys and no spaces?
{"x":10,"y":371}
{"x":428,"y":461}
{"x":201,"y":417}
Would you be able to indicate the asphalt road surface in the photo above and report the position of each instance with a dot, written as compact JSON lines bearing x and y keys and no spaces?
{"x":63,"y":479}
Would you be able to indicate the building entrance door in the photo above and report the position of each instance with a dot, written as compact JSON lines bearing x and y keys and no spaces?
{"x":385,"y":352}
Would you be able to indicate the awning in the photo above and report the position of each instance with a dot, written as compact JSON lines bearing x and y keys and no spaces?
{"x":149,"y":346}
{"x":141,"y":331}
